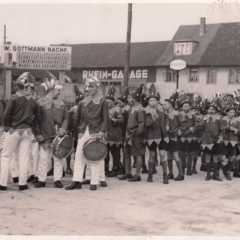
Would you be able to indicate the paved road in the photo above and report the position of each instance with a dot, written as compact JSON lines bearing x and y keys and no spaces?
{"x":192,"y":207}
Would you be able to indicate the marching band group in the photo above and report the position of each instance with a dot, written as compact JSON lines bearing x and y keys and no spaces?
{"x":181,"y":129}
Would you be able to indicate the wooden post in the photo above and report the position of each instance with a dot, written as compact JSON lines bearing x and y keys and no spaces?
{"x":62,"y":81}
{"x":127,"y":49}
{"x":8,"y":84}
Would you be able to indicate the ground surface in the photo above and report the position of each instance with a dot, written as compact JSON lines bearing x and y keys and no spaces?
{"x":191,"y":207}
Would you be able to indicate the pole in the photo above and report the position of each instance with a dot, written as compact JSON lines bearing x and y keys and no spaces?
{"x":5,"y":37}
{"x":177,"y":78}
{"x":127,"y":48}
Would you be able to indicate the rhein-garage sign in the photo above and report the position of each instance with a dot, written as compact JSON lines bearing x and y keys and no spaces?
{"x":40,"y":57}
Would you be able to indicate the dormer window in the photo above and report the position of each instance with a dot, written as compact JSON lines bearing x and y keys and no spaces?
{"x":184,"y":47}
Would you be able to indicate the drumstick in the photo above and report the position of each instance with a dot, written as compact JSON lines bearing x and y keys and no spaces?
{"x":45,"y":139}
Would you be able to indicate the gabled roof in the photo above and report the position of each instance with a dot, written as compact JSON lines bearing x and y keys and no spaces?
{"x":101,"y":55}
{"x":224,"y":49}
{"x":189,"y":32}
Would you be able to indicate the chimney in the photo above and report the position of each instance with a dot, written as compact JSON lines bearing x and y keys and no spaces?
{"x":202,"y":26}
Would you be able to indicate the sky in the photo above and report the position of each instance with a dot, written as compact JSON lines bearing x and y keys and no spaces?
{"x":44,"y":24}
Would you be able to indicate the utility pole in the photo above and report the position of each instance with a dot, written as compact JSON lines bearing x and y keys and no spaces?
{"x":5,"y":37}
{"x":127,"y":48}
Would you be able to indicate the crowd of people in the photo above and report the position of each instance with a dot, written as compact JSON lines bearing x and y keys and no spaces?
{"x":181,"y":128}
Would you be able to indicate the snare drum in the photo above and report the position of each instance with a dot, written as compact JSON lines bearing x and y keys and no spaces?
{"x":95,"y":149}
{"x":62,"y":146}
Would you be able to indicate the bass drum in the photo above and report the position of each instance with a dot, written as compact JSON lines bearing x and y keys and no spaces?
{"x":95,"y":149}
{"x":62,"y":146}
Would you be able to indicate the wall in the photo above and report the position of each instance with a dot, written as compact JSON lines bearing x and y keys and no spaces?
{"x":222,"y":86}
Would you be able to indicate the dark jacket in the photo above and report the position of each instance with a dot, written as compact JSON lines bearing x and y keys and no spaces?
{"x":22,"y":112}
{"x":95,"y":116}
{"x":52,"y":113}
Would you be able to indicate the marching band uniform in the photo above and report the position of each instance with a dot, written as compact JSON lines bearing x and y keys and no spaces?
{"x":134,"y":136}
{"x":21,"y":116}
{"x":230,"y":133}
{"x":172,"y":128}
{"x":92,"y":119}
{"x":187,"y":139}
{"x":155,"y":135}
{"x":114,"y":134}
{"x":211,"y":126}
{"x":125,"y":109}
{"x":53,"y":121}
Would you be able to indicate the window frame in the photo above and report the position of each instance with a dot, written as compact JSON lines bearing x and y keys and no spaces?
{"x":178,"y":48}
{"x":209,"y":72}
{"x":236,"y":72}
{"x":190,"y":71}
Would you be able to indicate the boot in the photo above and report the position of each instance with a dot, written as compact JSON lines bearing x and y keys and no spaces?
{"x":236,"y":173}
{"x":30,"y":178}
{"x":144,"y":169}
{"x":208,"y":178}
{"x":154,"y":169}
{"x":50,"y":172}
{"x":189,"y":171}
{"x":230,"y":164}
{"x":165,"y":178}
{"x":113,"y":173}
{"x":39,"y":184}
{"x":23,"y":187}
{"x":194,"y":171}
{"x":180,"y":176}
{"x":35,"y":180}
{"x":215,"y":172}
{"x":203,"y":168}
{"x":150,"y":172}
{"x":106,"y":170}
{"x":170,"y":176}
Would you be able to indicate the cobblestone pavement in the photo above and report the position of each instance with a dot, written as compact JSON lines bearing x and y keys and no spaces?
{"x":190,"y":207}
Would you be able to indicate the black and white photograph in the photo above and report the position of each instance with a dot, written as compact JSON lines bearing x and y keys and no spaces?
{"x":119,"y":120}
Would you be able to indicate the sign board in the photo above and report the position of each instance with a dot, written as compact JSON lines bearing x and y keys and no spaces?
{"x":40,"y":57}
{"x":178,"y":64}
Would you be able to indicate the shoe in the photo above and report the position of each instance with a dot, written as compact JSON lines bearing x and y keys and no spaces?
{"x":113,"y":173}
{"x":15,"y":180}
{"x":135,"y":178}
{"x":58,"y":184}
{"x":103,"y":183}
{"x":35,"y":180}
{"x":50,"y":172}
{"x":189,"y":172}
{"x":125,"y":176}
{"x":165,"y":178}
{"x":39,"y":184}
{"x":74,"y":185}
{"x":2,"y":188}
{"x":216,"y":178}
{"x":31,"y":178}
{"x":179,"y":178}
{"x":63,"y":173}
{"x":194,"y":171}
{"x":208,"y":178}
{"x":23,"y":187}
{"x":236,"y":173}
{"x":93,"y":187}
{"x":149,"y":178}
{"x":170,"y":176}
{"x":69,"y":171}
{"x":144,"y":170}
{"x":121,"y":171}
{"x":86,"y":182}
{"x":229,"y":175}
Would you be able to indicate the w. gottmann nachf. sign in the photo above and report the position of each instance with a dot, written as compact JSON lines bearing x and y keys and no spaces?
{"x":40,"y":57}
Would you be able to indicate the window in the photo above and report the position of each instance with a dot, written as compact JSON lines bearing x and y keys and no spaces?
{"x":211,"y":76}
{"x":170,"y":76}
{"x":183,"y":48}
{"x":193,"y":75}
{"x":234,"y":76}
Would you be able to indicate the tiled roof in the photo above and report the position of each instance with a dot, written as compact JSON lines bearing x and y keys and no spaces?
{"x":113,"y":54}
{"x":220,"y":46}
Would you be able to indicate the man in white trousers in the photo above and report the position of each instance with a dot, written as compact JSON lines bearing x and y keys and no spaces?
{"x":92,"y":119}
{"x":20,"y":118}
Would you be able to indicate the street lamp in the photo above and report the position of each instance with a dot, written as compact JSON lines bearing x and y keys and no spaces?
{"x":177,"y":65}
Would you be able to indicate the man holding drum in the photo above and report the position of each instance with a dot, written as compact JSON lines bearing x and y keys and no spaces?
{"x":92,"y":119}
{"x":53,"y":121}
